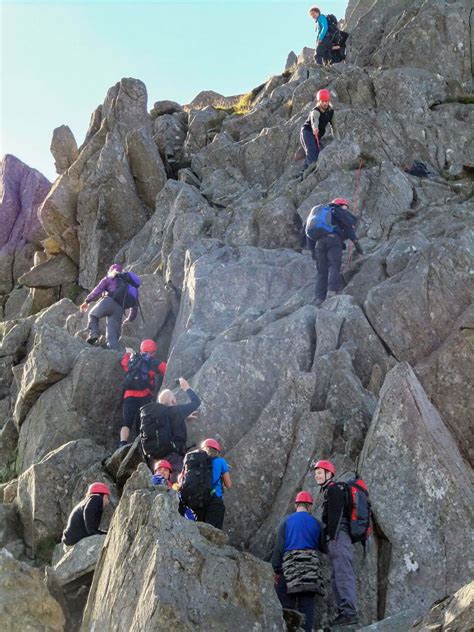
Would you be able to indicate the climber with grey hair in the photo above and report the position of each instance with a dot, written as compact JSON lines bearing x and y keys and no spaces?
{"x":169,"y":418}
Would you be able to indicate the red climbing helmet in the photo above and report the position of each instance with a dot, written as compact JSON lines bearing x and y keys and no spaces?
{"x":341,"y":202}
{"x":211,"y":443}
{"x":99,"y":488}
{"x":323,"y":95}
{"x":326,"y":465}
{"x":163,"y":463}
{"x":148,"y":346}
{"x":304,"y":497}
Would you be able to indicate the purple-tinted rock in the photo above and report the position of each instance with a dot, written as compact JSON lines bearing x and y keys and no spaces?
{"x":22,"y":191}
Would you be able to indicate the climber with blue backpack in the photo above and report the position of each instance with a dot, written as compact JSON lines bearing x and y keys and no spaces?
{"x":141,"y":371}
{"x":327,"y":228}
{"x":118,"y":292}
{"x":347,"y":519}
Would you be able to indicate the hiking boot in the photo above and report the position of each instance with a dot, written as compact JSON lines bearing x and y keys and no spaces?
{"x":330,"y":294}
{"x":344,"y":619}
{"x":317,"y":302}
{"x":92,"y":340}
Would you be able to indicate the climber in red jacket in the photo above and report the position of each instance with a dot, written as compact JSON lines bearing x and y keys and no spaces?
{"x":142,"y":369}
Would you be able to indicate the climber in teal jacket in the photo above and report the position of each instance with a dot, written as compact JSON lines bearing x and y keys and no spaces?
{"x":323,"y":41}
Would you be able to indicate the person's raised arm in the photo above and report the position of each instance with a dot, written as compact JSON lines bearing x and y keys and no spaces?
{"x":186,"y":409}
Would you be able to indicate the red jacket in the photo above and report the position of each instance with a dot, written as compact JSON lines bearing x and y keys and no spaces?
{"x":156,"y":367}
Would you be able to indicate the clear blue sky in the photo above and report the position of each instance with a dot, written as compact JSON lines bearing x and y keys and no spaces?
{"x":59,"y":58}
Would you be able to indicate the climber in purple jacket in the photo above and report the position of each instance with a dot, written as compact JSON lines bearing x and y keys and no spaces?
{"x":119,"y":292}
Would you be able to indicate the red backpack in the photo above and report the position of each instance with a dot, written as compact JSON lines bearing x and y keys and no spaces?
{"x":359,"y":509}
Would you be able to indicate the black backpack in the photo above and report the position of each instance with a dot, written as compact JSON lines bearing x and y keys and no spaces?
{"x":345,"y":217}
{"x":196,"y":484}
{"x":332,"y":23}
{"x":137,"y":378}
{"x":156,"y":430}
{"x":126,"y":294}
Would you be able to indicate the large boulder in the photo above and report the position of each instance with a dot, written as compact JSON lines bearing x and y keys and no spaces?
{"x":55,"y":271}
{"x":77,"y":561}
{"x":388,"y":34}
{"x":413,"y":310}
{"x":409,"y":448}
{"x":64,"y":148}
{"x":192,"y":581}
{"x":102,"y":199}
{"x":23,"y":190}
{"x":53,"y":355}
{"x":445,"y":375}
{"x":45,"y":490}
{"x":25,"y":602}
{"x":87,"y":404}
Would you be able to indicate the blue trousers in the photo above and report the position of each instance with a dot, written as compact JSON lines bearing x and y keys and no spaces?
{"x":342,"y":574}
{"x":302,"y":602}
{"x":328,"y":251}
{"x":310,"y":146}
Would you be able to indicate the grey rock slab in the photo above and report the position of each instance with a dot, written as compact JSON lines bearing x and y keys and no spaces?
{"x":413,"y":311}
{"x":52,"y":358}
{"x":79,"y":560}
{"x":446,"y":378}
{"x":452,"y":613}
{"x":83,"y":405}
{"x":64,"y":148}
{"x":25,"y":598}
{"x":427,"y":527}
{"x":45,"y":491}
{"x":56,"y":271}
{"x":203,"y":583}
{"x":146,"y":165}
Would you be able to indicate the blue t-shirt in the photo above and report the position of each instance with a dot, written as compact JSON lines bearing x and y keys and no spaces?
{"x":302,"y":532}
{"x":219,"y":467}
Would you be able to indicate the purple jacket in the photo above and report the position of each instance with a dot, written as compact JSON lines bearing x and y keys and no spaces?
{"x":109,"y":285}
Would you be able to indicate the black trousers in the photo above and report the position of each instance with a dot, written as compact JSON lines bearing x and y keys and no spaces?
{"x":328,"y":251}
{"x":323,"y":50}
{"x":213,"y":513}
{"x":131,"y":411}
{"x":302,"y":602}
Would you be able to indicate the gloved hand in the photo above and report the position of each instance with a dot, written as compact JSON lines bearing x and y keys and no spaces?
{"x":358,"y":248}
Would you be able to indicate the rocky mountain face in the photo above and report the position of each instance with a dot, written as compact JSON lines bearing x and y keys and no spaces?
{"x":205,"y":203}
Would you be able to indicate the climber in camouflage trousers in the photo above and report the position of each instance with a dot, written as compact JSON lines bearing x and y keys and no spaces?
{"x":295,"y":560}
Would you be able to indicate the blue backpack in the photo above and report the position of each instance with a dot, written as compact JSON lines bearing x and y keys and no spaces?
{"x":319,"y":222}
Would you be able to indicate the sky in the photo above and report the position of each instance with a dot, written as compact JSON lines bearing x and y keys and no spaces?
{"x":58,"y":59}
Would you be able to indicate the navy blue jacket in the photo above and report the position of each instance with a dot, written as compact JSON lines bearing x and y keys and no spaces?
{"x":298,"y":531}
{"x":341,"y":228}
